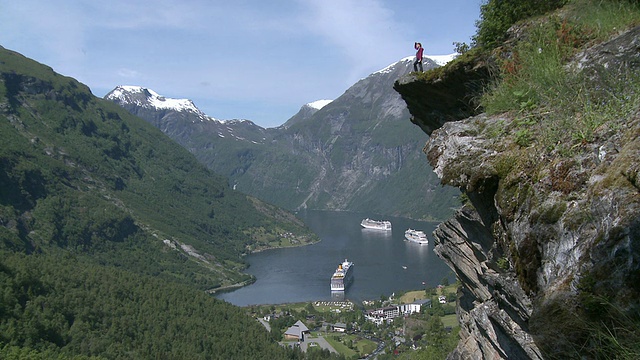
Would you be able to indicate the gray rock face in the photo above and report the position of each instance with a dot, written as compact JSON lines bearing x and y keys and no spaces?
{"x":494,"y":309}
{"x":446,"y":97}
{"x":544,"y":250}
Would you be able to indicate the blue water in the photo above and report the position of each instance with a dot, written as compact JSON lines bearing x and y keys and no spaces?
{"x":302,"y":274}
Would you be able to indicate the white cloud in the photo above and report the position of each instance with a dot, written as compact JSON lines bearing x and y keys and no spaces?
{"x":48,"y":28}
{"x":128,"y":73}
{"x":364,"y":31}
{"x":282,"y":53}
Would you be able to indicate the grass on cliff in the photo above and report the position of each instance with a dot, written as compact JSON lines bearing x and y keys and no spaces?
{"x":557,"y":109}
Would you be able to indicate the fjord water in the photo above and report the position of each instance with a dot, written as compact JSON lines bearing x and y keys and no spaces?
{"x":302,"y":274}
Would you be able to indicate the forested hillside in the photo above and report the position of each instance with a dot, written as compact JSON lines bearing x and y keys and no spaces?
{"x":110,"y":232}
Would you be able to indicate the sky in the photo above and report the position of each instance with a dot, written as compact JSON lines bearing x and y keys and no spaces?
{"x":236,"y":59}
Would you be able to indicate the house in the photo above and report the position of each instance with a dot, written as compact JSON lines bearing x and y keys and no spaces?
{"x":391,"y":312}
{"x":296,"y":332}
{"x":378,"y":316}
{"x":375,"y":318}
{"x":340,"y":327}
{"x":414,"y":307}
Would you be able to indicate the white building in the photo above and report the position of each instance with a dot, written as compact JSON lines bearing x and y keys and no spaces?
{"x":414,"y":307}
{"x":387,"y":314}
{"x":340,"y":327}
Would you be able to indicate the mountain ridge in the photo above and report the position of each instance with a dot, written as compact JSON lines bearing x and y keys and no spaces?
{"x":182,"y":104}
{"x":330,"y":151}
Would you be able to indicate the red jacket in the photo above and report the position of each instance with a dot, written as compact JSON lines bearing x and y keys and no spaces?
{"x":419,"y":53}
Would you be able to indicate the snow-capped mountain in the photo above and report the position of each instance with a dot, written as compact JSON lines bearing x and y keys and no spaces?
{"x":384,"y":76}
{"x":149,"y":99}
{"x":442,"y":60}
{"x":306,"y":111}
{"x":181,"y":119}
{"x":344,"y":154}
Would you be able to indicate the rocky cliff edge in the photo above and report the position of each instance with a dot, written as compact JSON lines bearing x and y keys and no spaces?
{"x":547,"y":248}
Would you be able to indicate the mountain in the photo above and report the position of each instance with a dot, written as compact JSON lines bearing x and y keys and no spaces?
{"x":358,"y":152}
{"x":110,"y":232}
{"x":306,"y":111}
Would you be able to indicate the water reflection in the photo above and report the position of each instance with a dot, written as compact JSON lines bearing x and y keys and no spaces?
{"x":376,"y":234}
{"x":337,"y":295}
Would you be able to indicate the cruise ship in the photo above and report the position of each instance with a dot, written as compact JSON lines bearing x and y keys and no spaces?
{"x":416,"y":236}
{"x":342,"y":277}
{"x":376,"y":224}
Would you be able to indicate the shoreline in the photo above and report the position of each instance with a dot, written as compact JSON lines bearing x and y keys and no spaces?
{"x":231,"y":287}
{"x":280,"y":247}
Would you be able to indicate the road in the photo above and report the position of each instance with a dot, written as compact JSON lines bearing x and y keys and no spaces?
{"x":265,"y":323}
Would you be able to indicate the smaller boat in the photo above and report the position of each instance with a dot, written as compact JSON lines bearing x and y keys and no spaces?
{"x":416,"y":236}
{"x":404,"y":267}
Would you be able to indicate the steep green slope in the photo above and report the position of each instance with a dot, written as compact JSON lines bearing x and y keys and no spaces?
{"x":109,"y":231}
{"x":67,"y":305}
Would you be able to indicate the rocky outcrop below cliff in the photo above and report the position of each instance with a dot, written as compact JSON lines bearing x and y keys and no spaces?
{"x":547,"y":248}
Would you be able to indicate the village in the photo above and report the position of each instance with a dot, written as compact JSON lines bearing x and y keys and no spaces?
{"x":384,"y":328}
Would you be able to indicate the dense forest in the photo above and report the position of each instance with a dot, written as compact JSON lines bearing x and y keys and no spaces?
{"x":62,"y":301}
{"x":110,"y":232}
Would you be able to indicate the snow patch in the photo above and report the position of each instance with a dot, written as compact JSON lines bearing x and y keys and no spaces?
{"x":319,"y":104}
{"x":390,"y":68}
{"x":441,"y":60}
{"x":124,"y":93}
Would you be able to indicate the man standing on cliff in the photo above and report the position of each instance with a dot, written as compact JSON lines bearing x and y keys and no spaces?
{"x":419,"y":52}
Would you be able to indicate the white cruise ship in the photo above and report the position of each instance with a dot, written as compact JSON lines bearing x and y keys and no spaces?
{"x":342,"y":277}
{"x":416,"y":236}
{"x":376,"y":224}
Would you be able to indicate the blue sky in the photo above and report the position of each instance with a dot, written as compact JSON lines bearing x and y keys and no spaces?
{"x":249,"y":59}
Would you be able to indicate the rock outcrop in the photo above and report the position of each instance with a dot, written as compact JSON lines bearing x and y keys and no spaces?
{"x":547,"y":249}
{"x":447,"y":96}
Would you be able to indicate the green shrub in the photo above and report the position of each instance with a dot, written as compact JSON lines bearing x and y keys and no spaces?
{"x":496,"y":16}
{"x":558,"y":109}
{"x":503,"y":263}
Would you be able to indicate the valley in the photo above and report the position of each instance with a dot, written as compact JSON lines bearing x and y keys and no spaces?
{"x":137,"y":227}
{"x":356,"y":153}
